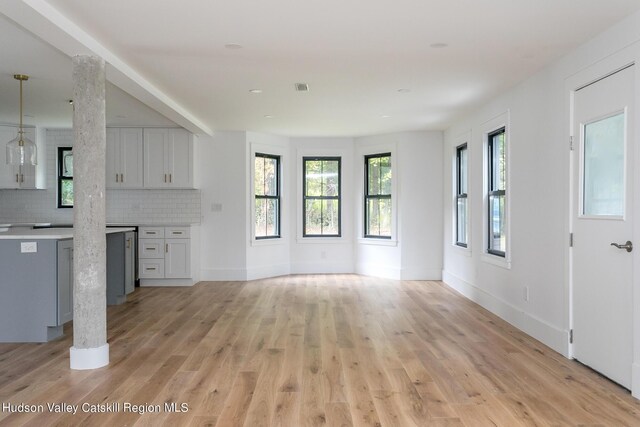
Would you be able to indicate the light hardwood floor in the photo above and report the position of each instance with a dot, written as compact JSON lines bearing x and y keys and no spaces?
{"x":334,"y":350}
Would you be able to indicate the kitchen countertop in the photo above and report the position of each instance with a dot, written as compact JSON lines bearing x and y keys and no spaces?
{"x":49,"y":233}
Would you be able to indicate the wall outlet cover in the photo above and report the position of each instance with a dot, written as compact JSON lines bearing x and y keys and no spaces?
{"x":28,"y":247}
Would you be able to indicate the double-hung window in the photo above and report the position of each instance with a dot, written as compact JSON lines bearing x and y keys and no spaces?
{"x":65,"y":177}
{"x":321,"y":196}
{"x":496,"y":192}
{"x":267,"y":196}
{"x":377,"y":196}
{"x":462,"y":205}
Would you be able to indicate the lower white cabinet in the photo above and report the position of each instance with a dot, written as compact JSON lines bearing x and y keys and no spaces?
{"x":164,"y":253}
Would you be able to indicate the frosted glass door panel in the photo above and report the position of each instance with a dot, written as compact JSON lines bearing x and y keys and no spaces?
{"x":603,"y":191}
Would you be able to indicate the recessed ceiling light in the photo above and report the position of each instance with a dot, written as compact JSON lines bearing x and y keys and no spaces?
{"x":29,"y":115}
{"x":233,"y":46}
{"x":404,"y":90}
{"x":255,"y":90}
{"x":438,"y":45}
{"x":302,"y":87}
{"x":385,"y":116}
{"x":70,"y":102}
{"x":268,"y":116}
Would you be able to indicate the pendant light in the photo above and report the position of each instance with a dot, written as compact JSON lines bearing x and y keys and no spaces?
{"x":21,"y":150}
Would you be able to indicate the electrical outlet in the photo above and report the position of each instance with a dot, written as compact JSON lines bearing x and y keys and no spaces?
{"x":525,"y":293}
{"x":28,"y":247}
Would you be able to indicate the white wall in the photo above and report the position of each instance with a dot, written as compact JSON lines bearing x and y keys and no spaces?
{"x":221,"y":164}
{"x":415,"y":249}
{"x":538,"y":110}
{"x":270,"y":257}
{"x":325,"y":254}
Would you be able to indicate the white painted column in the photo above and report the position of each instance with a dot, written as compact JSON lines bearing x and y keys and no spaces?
{"x":90,"y":349}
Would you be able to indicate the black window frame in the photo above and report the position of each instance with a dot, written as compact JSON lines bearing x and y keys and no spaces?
{"x":61,"y":177}
{"x":277,"y":197}
{"x":492,"y":191}
{"x":368,"y":196}
{"x":305,"y":197}
{"x":460,"y":194}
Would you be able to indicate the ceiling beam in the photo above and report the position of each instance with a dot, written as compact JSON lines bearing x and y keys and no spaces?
{"x":47,"y":23}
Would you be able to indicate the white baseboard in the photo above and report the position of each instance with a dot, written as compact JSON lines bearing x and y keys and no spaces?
{"x":223,"y":275}
{"x":548,"y":334}
{"x":421,"y":273}
{"x":267,"y":271}
{"x":322,"y":268}
{"x":148,"y":283}
{"x":635,"y":380}
{"x":376,"y":270}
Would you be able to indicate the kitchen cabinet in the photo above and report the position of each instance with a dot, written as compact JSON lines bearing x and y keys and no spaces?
{"x":13,"y":176}
{"x":164,"y":253}
{"x":65,"y":281}
{"x":168,"y":158}
{"x":124,"y":158}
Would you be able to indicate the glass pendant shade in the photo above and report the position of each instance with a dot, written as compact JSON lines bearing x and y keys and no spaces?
{"x":21,"y":150}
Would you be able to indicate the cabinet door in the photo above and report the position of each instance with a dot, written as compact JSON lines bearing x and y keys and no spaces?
{"x":177,"y":258}
{"x":131,"y":158}
{"x":112,"y":171}
{"x":65,"y":281}
{"x":180,"y":158}
{"x":155,"y":167}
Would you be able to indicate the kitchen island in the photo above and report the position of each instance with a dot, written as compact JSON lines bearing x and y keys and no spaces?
{"x":36,"y":279}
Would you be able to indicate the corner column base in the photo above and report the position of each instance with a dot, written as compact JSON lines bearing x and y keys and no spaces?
{"x":89,"y":358}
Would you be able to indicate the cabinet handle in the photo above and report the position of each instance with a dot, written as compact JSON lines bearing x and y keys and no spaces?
{"x":150,"y":269}
{"x":121,"y":177}
{"x":176,"y":232}
{"x":117,"y":178}
{"x":21,"y":177}
{"x":165,"y":177}
{"x":166,"y":247}
{"x":17,"y":178}
{"x":151,"y":249}
{"x":128,"y":243}
{"x":169,"y":177}
{"x":151,"y":232}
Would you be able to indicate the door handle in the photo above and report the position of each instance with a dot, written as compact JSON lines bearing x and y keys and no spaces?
{"x":628,"y":246}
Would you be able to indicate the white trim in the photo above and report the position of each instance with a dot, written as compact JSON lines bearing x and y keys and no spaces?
{"x":548,"y":334}
{"x":464,"y":138}
{"x":377,"y":270}
{"x":274,"y":150}
{"x":88,"y":358}
{"x":159,"y":283}
{"x":263,"y":272}
{"x":500,"y":121}
{"x":345,"y":194}
{"x":377,"y":242}
{"x":368,"y":150}
{"x":223,"y":274}
{"x":322,"y":268}
{"x":635,"y":380}
{"x":420,"y":273}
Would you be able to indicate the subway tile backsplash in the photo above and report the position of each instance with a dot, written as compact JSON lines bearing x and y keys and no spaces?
{"x":123,"y":206}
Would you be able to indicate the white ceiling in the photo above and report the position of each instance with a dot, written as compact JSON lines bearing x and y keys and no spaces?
{"x":354,"y":54}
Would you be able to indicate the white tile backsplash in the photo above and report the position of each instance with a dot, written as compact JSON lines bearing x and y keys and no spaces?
{"x":165,"y":207}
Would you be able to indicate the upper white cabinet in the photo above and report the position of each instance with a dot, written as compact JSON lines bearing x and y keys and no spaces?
{"x":12,"y":176}
{"x":124,"y":158}
{"x":168,"y":158}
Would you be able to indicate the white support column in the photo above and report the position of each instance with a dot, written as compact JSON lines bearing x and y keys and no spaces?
{"x":90,"y":349}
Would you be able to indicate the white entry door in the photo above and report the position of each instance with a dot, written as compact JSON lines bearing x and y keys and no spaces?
{"x":602,"y":216}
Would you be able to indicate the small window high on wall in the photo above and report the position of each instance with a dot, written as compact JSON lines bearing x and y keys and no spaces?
{"x":462,"y":204}
{"x":321,"y":196}
{"x":496,"y":192}
{"x":377,"y":196}
{"x":267,"y":196}
{"x":65,"y":177}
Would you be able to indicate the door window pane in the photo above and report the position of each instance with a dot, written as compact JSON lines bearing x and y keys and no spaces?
{"x":604,"y":166}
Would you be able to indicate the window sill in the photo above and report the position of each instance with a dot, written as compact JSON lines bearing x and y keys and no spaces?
{"x":377,"y":242}
{"x":268,"y":242}
{"x":496,"y":260}
{"x":323,"y":240}
{"x":462,"y":250}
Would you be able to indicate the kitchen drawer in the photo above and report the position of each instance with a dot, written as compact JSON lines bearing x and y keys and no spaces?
{"x":151,"y":232}
{"x":151,"y":269}
{"x":151,"y":248}
{"x":177,"y":232}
